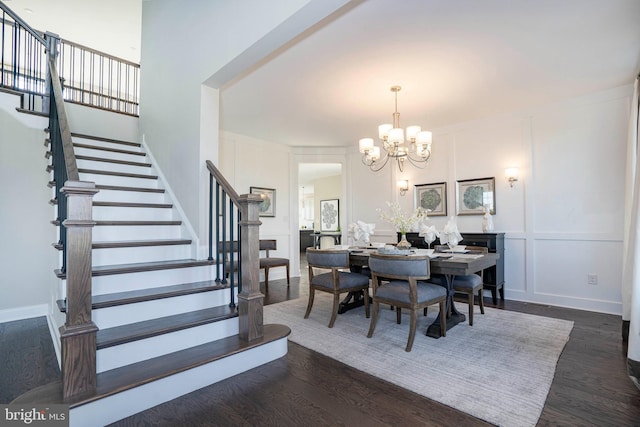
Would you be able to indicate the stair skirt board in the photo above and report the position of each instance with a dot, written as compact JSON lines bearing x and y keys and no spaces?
{"x":112,"y":256}
{"x":144,"y":349}
{"x":110,"y":317}
{"x":132,"y":401}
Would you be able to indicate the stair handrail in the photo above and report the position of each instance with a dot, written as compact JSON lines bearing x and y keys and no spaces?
{"x":22,"y":23}
{"x":250,"y":299}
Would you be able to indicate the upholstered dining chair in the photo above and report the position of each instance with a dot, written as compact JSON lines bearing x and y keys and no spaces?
{"x":268,"y":262}
{"x":334,"y":280}
{"x":401,"y":281}
{"x":471,"y":284}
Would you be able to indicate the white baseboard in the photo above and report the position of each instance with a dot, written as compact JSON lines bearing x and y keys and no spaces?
{"x":20,"y":313}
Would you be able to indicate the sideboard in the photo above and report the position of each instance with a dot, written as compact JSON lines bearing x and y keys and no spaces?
{"x":493,"y":276}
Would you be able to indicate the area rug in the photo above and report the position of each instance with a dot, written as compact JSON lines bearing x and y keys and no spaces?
{"x":499,"y":370}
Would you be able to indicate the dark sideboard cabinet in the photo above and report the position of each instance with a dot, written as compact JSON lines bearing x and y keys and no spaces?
{"x":306,"y":239}
{"x":493,"y":276}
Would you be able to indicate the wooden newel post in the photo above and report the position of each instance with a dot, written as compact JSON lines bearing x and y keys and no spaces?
{"x":250,"y":300}
{"x":78,"y":334}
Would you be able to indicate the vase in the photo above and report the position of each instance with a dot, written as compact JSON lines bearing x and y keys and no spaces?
{"x":403,"y":244}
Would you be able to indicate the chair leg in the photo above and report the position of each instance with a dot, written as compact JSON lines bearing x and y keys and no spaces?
{"x":266,"y":278}
{"x":312,"y":293}
{"x":470,"y":302}
{"x":481,"y":301}
{"x":374,"y":319}
{"x":412,"y":329}
{"x":334,"y":310}
{"x":398,"y":315}
{"x":365,"y":295}
{"x":287,"y":275}
{"x":443,"y":319}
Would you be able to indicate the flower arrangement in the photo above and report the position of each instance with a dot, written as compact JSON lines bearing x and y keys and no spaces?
{"x":402,"y":221}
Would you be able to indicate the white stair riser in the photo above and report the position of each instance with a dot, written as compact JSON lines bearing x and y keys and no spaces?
{"x":129,"y":402}
{"x":137,"y":351}
{"x":114,"y":256}
{"x":118,"y":213}
{"x":114,"y":233}
{"x":150,"y":279}
{"x":96,"y":143}
{"x":114,"y":167}
{"x":129,"y":196}
{"x":138,"y":312}
{"x":124,"y":181}
{"x":80,"y":151}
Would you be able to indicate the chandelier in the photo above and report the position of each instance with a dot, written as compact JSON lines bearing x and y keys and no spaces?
{"x":416,"y":148}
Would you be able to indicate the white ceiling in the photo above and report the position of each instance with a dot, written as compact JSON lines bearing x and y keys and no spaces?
{"x":456,"y":60}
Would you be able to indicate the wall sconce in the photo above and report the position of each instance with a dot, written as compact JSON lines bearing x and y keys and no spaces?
{"x":512,"y":175}
{"x":403,"y":185}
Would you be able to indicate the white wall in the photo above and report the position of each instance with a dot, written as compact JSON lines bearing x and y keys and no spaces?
{"x":562,"y":219}
{"x":183,"y":44}
{"x":27,"y":259}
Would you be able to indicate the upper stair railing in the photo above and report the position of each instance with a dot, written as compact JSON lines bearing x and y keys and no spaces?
{"x":236,"y":226}
{"x":88,"y":77}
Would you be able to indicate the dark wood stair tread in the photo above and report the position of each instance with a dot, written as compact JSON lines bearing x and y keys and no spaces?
{"x":128,"y":223}
{"x":150,"y":294}
{"x":109,"y":149}
{"x":121,"y":188}
{"x":152,"y":328}
{"x":106,"y":270}
{"x":124,"y":204}
{"x":99,"y":138}
{"x":134,"y":243}
{"x":115,"y":161}
{"x":137,"y":374}
{"x":125,"y":174}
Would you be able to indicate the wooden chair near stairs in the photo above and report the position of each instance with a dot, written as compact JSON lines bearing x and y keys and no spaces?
{"x":267,"y":262}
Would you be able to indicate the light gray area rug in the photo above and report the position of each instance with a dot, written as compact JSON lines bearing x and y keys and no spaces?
{"x":500,"y":369}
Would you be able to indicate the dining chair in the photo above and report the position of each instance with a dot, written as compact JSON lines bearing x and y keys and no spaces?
{"x":471,"y":284}
{"x":268,"y":262}
{"x":401,"y":281}
{"x":334,"y":280}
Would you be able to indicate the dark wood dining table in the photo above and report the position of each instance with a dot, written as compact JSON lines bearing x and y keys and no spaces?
{"x":445,"y":264}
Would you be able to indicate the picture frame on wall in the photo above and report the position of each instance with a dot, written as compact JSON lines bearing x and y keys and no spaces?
{"x":268,"y":206}
{"x":473,"y":194}
{"x":432,"y":197}
{"x":329,"y":215}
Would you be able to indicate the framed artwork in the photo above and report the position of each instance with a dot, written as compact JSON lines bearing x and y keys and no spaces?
{"x":268,"y":205}
{"x":432,"y":197}
{"x":329,"y":215}
{"x":473,"y":194}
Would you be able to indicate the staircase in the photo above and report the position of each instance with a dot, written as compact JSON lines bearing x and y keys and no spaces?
{"x":165,"y":325}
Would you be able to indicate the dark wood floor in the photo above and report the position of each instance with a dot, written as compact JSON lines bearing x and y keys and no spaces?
{"x":305,"y":388}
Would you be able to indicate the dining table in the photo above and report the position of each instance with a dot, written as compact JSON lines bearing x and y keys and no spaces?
{"x":446,"y":263}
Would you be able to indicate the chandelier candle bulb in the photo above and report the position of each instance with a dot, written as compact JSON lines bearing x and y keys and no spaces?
{"x":366,"y":144}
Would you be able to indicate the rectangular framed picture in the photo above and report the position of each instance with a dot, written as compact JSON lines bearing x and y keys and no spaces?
{"x":432,"y":197}
{"x":268,"y":205}
{"x":329,"y":215}
{"x":473,"y":194}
